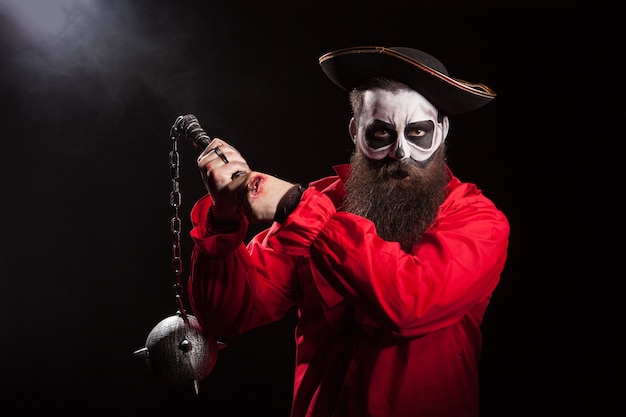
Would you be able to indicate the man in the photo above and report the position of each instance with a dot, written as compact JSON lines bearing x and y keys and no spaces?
{"x":391,"y":263}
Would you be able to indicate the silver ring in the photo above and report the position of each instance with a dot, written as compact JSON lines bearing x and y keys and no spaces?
{"x":237,"y":174}
{"x":219,"y":153}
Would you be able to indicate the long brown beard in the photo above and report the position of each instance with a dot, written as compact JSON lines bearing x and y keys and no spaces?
{"x":402,"y":209}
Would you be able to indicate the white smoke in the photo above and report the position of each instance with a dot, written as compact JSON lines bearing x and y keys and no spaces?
{"x":76,"y":65}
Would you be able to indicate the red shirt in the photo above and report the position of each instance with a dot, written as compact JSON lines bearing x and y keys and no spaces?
{"x":380,"y":332}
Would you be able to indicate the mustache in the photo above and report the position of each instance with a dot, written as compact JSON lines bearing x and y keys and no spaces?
{"x":389,"y":168}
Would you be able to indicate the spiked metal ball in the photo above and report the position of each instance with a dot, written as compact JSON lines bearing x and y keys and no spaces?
{"x":178,"y":352}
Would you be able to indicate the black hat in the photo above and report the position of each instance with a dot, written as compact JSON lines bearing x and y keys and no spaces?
{"x":352,"y":67}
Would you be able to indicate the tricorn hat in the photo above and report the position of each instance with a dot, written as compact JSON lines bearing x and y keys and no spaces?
{"x":352,"y":67}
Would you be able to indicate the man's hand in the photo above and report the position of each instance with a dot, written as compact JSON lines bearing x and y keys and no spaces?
{"x":233,"y":187}
{"x":222,"y":169}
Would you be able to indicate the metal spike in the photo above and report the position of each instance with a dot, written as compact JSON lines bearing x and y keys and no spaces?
{"x":143,"y":352}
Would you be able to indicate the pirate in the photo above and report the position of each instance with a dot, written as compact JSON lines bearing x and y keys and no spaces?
{"x":391,"y":263}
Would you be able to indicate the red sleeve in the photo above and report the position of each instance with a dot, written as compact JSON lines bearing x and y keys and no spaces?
{"x":455,"y":266}
{"x":233,"y":287}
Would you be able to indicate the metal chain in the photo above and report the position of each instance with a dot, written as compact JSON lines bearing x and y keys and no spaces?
{"x":176,"y":224}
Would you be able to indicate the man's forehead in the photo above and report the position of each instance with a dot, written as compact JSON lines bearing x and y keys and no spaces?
{"x":383,"y":104}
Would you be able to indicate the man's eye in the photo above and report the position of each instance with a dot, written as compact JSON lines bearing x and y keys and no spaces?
{"x":381,"y":134}
{"x":379,"y":137}
{"x":420,"y":134}
{"x":416,"y":133}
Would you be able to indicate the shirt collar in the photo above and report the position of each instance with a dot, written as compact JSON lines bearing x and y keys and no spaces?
{"x":343,"y":171}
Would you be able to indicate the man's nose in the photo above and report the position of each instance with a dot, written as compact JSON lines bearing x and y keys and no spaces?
{"x":400,"y":150}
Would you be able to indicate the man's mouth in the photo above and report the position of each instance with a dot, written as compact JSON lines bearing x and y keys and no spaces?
{"x":399,"y":174}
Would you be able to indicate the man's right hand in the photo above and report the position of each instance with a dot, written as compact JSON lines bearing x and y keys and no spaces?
{"x":221,"y":180}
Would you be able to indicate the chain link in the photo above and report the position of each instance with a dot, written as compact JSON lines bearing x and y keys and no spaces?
{"x":176,"y":224}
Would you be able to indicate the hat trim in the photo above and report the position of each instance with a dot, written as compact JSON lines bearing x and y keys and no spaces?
{"x":472,"y":88}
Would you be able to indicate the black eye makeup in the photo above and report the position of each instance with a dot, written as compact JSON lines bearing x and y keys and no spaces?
{"x":379,"y":134}
{"x":420,"y":134}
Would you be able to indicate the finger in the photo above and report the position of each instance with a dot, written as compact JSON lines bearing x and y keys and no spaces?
{"x":219,"y":149}
{"x":221,"y":154}
{"x":237,"y":174}
{"x":238,"y":184}
{"x":222,"y":175}
{"x":229,"y":153}
{"x":209,"y":148}
{"x":234,"y":170}
{"x":212,"y":158}
{"x":216,"y":142}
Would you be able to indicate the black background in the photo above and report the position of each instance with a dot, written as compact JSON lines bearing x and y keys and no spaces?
{"x":85,"y":257}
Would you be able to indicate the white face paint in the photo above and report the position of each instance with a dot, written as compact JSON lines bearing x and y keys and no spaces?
{"x":399,"y":124}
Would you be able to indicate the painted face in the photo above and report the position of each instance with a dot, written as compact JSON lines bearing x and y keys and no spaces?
{"x":398,"y":124}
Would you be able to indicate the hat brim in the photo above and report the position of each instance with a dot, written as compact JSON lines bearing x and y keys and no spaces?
{"x":352,"y":67}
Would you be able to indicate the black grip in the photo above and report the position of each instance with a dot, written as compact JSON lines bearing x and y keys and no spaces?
{"x":189,"y":127}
